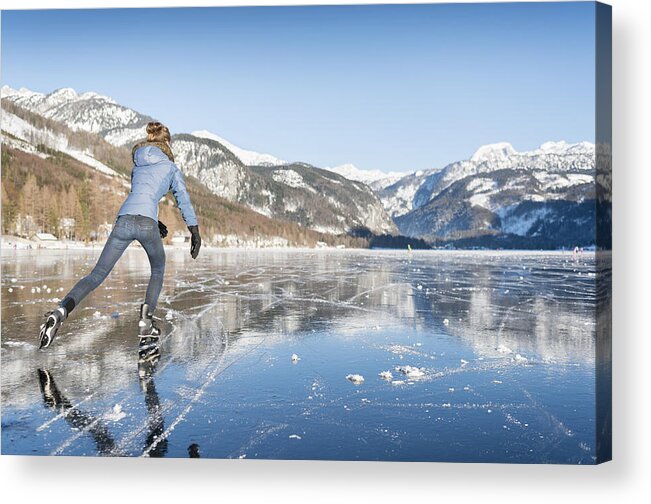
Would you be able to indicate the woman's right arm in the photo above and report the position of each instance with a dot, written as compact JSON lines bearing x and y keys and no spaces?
{"x":182,"y":197}
{"x":180,"y":192}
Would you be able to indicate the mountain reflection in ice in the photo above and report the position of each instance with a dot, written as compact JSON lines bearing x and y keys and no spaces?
{"x":505,"y":344}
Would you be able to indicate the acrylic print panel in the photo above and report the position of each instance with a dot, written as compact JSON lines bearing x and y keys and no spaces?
{"x":386,"y":233}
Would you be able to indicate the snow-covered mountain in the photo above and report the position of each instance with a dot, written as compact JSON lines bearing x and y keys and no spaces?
{"x":553,"y":161}
{"x":119,"y":125}
{"x":375,"y":178}
{"x":398,"y":197}
{"x":123,"y":126}
{"x":92,"y":112}
{"x":25,"y":136}
{"x":536,"y":194}
{"x":210,"y":162}
{"x":296,"y":192}
{"x":248,"y":157}
{"x":545,"y":195}
{"x":416,"y":189}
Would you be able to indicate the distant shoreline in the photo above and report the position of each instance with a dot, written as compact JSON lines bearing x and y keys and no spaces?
{"x":7,"y":249}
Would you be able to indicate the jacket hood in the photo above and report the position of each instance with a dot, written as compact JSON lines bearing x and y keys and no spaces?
{"x":148,"y":153}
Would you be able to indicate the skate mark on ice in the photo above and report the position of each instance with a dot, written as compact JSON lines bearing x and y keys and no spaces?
{"x":64,"y":414}
{"x":124,"y":400}
{"x":262,"y":431}
{"x":216,"y":371}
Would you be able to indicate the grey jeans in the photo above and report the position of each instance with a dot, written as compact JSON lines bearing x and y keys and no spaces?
{"x":127,"y":228}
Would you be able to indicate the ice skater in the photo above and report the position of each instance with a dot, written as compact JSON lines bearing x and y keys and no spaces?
{"x":154,"y":174}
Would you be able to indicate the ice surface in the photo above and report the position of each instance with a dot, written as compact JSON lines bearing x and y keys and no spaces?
{"x":510,"y":377}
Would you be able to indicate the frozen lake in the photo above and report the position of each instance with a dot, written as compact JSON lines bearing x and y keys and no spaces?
{"x":492,"y":357}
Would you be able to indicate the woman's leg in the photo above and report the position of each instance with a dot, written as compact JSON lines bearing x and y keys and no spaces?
{"x":117,"y":243}
{"x":150,"y":239}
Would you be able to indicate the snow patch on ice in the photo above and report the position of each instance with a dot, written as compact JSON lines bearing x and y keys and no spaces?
{"x":503,"y":349}
{"x":411,"y":371}
{"x":116,"y":414}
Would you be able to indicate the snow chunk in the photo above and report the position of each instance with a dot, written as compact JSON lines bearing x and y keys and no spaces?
{"x":386,"y":375}
{"x":504,"y":349}
{"x":355,"y":378}
{"x":411,"y":371}
{"x":116,"y":414}
{"x":295,"y":358}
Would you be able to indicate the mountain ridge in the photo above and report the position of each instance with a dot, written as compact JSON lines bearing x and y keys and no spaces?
{"x":496,"y":192}
{"x":331,"y":209}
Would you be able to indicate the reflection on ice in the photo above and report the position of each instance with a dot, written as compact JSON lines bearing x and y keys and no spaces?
{"x":467,"y":356}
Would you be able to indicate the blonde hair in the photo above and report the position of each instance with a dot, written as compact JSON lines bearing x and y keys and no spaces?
{"x":158,"y":132}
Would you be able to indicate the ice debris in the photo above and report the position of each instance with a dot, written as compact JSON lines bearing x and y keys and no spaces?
{"x":295,"y":436}
{"x":410,"y":371}
{"x":446,"y":322}
{"x":386,"y":375}
{"x":355,"y":378}
{"x":116,"y":414}
{"x":295,"y":358}
{"x":504,"y":349}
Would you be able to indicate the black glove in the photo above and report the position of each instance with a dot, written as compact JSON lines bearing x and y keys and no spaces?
{"x":162,"y":229}
{"x":195,"y":241}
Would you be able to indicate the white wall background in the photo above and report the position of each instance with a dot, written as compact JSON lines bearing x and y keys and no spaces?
{"x":626,"y":479}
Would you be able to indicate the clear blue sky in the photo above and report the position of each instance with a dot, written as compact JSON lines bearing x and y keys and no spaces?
{"x":390,"y":87}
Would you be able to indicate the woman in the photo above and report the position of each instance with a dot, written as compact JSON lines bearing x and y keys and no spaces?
{"x":154,"y":174}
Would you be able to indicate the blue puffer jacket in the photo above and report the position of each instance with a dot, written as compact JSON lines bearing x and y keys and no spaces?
{"x":152,"y":177}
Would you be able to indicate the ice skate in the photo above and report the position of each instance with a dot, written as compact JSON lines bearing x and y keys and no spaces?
{"x":49,"y":329}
